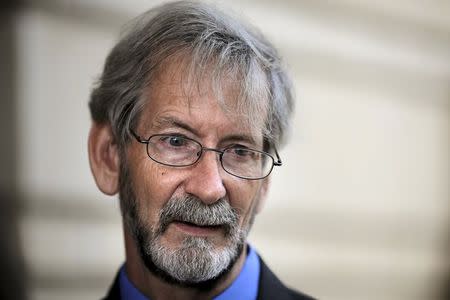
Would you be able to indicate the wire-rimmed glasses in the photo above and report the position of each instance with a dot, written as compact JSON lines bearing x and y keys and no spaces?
{"x":180,"y":151}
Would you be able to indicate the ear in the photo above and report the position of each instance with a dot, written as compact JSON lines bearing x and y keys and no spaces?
{"x":104,"y":158}
{"x":263,"y":194}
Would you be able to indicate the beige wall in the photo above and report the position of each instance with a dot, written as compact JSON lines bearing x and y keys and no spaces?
{"x":358,"y":211}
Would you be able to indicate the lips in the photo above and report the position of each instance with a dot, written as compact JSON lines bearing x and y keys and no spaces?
{"x":212,"y":226}
{"x":196,"y":229}
{"x":196,"y":222}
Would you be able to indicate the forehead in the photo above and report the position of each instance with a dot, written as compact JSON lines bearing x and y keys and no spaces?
{"x":181,"y":80}
{"x":182,"y":89}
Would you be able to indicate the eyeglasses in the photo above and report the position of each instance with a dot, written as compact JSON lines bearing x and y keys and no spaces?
{"x":180,"y":151}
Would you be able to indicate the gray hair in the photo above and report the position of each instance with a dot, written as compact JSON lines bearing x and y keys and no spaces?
{"x":207,"y":40}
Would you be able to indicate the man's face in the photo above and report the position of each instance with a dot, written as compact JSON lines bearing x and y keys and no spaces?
{"x":189,"y":223}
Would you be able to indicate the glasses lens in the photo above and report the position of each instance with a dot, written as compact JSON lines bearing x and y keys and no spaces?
{"x":247,"y":163}
{"x":173,"y":150}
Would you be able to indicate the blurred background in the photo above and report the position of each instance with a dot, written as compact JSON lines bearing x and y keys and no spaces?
{"x":360,"y":209}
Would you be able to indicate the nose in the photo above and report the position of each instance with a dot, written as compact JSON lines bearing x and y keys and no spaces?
{"x":205,"y":179}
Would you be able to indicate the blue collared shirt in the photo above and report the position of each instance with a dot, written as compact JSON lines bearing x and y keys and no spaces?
{"x":245,"y":286}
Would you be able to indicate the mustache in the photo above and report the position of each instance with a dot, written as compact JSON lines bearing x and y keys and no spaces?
{"x":192,"y":210}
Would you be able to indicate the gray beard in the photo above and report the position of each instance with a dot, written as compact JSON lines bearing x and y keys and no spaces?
{"x":197,"y":262}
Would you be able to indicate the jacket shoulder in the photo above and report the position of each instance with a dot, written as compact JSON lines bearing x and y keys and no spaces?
{"x":299,"y":296}
{"x":114,"y":290}
{"x":270,"y":287}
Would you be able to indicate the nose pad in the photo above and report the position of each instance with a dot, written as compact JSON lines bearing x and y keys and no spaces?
{"x":218,"y":153}
{"x":216,"y":156}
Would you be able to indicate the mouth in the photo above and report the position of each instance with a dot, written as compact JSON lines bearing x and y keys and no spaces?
{"x":196,"y":229}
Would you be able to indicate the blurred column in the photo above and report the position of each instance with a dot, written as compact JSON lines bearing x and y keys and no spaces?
{"x":12,"y":279}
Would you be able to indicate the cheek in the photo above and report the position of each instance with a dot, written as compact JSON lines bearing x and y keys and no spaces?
{"x":155,"y":186}
{"x":244,"y":197}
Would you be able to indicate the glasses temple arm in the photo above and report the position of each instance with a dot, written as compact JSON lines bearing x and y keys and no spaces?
{"x":278,"y":162}
{"x":138,"y":138}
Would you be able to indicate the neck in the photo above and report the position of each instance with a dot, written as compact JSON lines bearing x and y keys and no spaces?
{"x":156,"y":288}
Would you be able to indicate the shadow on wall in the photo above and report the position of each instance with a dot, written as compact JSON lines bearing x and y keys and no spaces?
{"x":13,"y":278}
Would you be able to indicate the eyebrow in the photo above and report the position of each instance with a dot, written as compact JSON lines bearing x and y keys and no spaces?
{"x":170,"y":121}
{"x":240,"y":137}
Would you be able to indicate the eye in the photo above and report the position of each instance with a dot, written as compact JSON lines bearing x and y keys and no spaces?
{"x":241,"y":151}
{"x":176,"y":141}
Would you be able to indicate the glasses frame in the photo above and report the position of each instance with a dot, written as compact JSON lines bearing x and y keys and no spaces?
{"x":276,"y":162}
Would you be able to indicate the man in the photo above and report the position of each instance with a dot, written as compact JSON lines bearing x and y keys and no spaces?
{"x":187,"y":118}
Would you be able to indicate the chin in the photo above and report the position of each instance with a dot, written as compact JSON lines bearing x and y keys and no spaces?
{"x":196,"y":263}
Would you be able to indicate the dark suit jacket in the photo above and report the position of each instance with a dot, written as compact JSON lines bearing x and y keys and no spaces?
{"x":270,"y":288}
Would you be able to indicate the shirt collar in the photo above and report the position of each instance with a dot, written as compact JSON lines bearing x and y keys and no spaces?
{"x":245,"y":286}
{"x":127,"y":290}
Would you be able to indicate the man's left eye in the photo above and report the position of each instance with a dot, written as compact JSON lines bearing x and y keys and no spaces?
{"x":241,"y":151}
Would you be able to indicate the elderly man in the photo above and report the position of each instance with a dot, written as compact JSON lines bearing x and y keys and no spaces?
{"x":187,"y":117}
